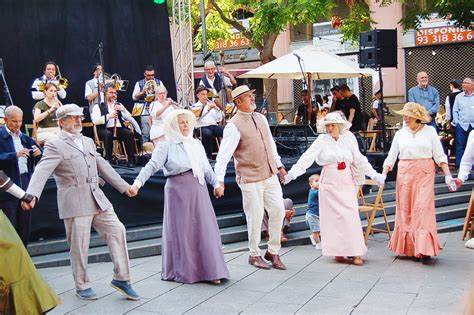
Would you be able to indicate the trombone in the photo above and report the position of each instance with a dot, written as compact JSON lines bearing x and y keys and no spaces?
{"x":60,"y":82}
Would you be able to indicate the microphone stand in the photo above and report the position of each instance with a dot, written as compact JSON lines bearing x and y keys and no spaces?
{"x":100,"y":49}
{"x":6,"y":90}
{"x":307,"y":111}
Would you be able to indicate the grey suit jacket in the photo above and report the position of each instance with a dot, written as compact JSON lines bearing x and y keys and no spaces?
{"x":77,"y":177}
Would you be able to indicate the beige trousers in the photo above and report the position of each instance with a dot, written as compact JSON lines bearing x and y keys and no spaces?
{"x":107,"y":224}
{"x":256,"y":197}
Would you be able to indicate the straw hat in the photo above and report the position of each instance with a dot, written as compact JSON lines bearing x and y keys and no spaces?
{"x":240,"y":90}
{"x":416,"y":111}
{"x":336,"y":118}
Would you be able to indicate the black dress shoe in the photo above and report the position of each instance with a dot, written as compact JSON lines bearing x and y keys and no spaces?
{"x":425,"y":260}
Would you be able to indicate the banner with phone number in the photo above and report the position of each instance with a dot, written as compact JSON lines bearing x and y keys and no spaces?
{"x":443,"y":35}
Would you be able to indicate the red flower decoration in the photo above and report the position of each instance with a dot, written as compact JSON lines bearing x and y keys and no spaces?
{"x":336,"y":21}
{"x":341,"y":165}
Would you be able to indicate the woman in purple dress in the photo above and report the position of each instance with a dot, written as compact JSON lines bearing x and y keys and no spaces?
{"x":196,"y":254}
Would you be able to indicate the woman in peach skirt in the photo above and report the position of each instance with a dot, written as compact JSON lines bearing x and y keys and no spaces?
{"x":416,"y":146}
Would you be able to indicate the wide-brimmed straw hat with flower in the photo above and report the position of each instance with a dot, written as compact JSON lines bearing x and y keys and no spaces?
{"x":335,"y":118}
{"x":415,"y":110}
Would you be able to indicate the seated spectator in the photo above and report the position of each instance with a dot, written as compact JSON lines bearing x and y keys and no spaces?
{"x":208,"y":115}
{"x":289,"y":214}
{"x":110,"y":118}
{"x":281,"y":119}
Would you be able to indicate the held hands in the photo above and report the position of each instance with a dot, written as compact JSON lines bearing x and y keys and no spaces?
{"x":281,"y":174}
{"x":132,"y":191}
{"x":448,"y":179}
{"x":28,"y":205}
{"x":286,"y":179}
{"x":380,"y":179}
{"x":219,"y":191}
{"x":458,"y":182}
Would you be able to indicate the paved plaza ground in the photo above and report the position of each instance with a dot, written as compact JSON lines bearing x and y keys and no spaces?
{"x":385,"y":284}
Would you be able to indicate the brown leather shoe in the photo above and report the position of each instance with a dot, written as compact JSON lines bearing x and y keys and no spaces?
{"x":257,"y":261}
{"x":275,"y":260}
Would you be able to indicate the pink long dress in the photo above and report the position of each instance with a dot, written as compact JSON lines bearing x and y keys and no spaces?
{"x":341,"y":229}
{"x":415,"y":232}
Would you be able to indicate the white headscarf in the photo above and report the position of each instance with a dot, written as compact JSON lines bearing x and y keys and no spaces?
{"x":193,"y":147}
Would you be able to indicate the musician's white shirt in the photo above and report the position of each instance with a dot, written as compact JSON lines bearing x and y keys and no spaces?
{"x":207,"y":117}
{"x":227,"y":83}
{"x":99,"y":119}
{"x":39,"y":95}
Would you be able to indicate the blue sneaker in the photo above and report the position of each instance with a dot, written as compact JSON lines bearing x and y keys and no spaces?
{"x":125,"y":288}
{"x":86,"y":294}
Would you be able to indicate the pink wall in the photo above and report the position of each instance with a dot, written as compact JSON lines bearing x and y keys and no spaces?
{"x":387,"y":18}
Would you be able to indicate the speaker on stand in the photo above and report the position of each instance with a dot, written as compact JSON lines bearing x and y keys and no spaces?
{"x":378,"y":49}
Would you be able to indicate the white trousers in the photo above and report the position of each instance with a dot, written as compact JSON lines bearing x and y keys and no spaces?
{"x":78,"y":231}
{"x":256,"y":197}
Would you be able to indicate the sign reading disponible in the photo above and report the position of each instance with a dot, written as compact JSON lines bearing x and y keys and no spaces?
{"x":443,"y":35}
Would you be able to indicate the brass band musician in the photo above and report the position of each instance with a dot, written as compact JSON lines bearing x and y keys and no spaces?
{"x":144,"y":91}
{"x":49,"y":75}
{"x":214,"y":82}
{"x":44,"y":114}
{"x":109,"y":117}
{"x":93,"y":87}
{"x":208,"y":115}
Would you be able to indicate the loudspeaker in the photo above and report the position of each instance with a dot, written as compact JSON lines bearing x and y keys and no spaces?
{"x":378,"y":48}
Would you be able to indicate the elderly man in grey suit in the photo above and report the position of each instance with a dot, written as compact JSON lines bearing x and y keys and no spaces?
{"x":75,"y":165}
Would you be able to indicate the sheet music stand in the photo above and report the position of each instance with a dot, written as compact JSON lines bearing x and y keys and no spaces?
{"x":141,"y":109}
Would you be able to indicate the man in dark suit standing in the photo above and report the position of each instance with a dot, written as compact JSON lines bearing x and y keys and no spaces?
{"x":18,"y":156}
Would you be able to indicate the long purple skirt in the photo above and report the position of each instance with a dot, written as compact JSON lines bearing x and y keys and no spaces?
{"x":192,"y":247}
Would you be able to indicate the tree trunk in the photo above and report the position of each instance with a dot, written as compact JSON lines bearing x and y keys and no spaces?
{"x":271,"y":85}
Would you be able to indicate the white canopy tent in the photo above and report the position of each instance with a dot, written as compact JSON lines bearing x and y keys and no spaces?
{"x":320,"y":64}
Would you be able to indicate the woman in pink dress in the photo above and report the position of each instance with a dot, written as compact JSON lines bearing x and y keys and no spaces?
{"x":416,"y":146}
{"x":338,"y":153}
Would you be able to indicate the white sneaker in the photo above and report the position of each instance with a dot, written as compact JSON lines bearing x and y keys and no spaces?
{"x":312,"y":240}
{"x":318,"y":245}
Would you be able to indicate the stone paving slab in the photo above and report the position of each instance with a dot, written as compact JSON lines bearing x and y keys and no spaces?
{"x":313,"y":284}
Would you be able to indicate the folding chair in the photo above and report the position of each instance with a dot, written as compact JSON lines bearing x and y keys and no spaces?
{"x":370,"y":137}
{"x":469,"y":218}
{"x":373,"y":208}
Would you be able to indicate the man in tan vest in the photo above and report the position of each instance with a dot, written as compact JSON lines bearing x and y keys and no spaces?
{"x":247,"y":137}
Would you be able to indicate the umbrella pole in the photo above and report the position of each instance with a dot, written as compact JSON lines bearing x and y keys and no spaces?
{"x":308,"y":112}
